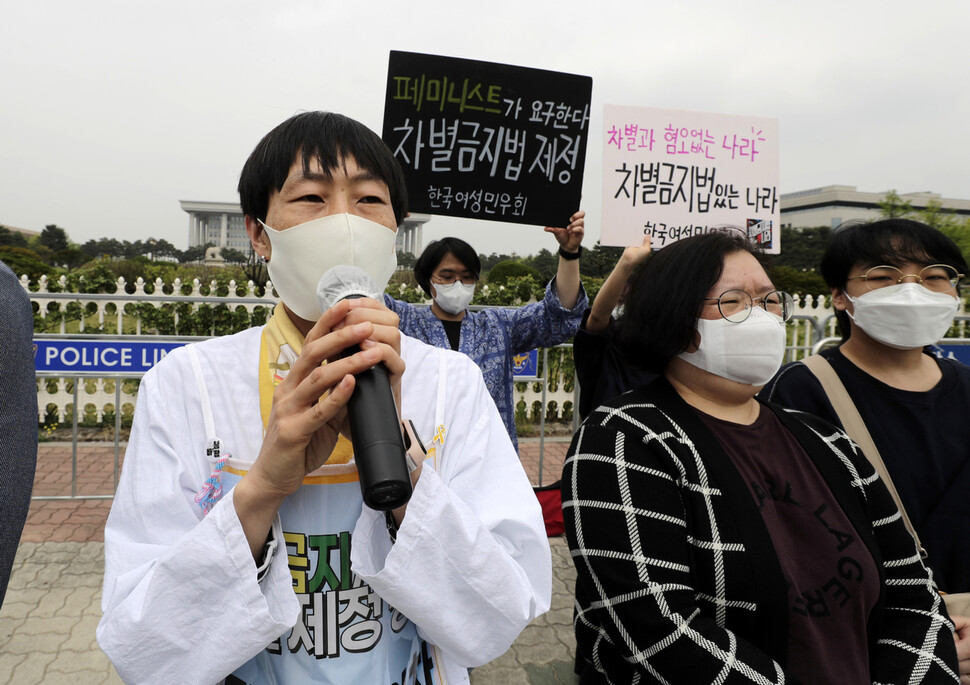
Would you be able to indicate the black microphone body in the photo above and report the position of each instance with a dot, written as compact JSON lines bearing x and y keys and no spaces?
{"x":379,"y":451}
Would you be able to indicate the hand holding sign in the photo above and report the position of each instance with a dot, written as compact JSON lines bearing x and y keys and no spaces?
{"x":567,"y":275}
{"x":635,"y":254}
{"x":570,"y":237}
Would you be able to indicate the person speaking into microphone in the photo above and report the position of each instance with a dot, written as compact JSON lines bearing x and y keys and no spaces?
{"x":240,"y":546}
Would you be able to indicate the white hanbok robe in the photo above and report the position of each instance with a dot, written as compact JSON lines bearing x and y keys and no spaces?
{"x":471,"y":566}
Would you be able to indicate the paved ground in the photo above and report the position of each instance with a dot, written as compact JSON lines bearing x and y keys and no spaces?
{"x":53,"y":602}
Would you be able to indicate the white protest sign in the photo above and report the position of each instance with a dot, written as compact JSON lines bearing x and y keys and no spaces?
{"x":675,"y":173}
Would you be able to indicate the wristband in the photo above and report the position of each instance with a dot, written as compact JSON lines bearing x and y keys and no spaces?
{"x":569,"y":256}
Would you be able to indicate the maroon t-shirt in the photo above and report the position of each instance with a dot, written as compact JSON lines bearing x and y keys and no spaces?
{"x":833,"y":582}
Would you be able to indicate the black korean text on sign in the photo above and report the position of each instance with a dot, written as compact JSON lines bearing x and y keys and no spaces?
{"x":485,"y":140}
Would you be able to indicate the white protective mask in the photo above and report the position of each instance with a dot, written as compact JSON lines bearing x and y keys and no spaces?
{"x":904,"y":316}
{"x":749,"y":352}
{"x":303,"y":253}
{"x":454,"y":298}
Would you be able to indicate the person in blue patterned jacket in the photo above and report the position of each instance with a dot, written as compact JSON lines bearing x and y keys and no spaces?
{"x":448,"y":271}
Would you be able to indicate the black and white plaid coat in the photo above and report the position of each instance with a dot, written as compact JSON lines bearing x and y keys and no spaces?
{"x":678,"y":581}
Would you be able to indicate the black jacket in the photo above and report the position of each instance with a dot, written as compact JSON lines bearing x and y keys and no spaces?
{"x":677,"y":575}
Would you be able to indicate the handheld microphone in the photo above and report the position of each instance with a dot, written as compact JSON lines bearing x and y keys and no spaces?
{"x":379,"y":451}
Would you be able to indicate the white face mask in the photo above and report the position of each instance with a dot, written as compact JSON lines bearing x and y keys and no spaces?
{"x":904,"y":316}
{"x":454,"y":298}
{"x":749,"y":352}
{"x":303,"y":253}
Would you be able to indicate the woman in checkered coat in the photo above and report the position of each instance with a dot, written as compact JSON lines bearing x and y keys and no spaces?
{"x":720,"y":539}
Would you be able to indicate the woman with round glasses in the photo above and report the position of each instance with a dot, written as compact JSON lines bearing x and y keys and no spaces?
{"x":448,"y":270}
{"x":895,"y":288}
{"x":718,"y":538}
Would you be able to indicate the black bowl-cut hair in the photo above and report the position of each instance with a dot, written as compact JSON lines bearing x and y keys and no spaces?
{"x":433,"y":254}
{"x":667,"y":295}
{"x":890,"y":242}
{"x":323,"y":136}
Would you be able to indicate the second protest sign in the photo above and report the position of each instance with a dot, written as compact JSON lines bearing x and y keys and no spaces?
{"x":671,"y":174}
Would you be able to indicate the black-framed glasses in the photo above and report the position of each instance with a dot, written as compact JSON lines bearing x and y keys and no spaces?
{"x":939,"y":278}
{"x":735,"y":305}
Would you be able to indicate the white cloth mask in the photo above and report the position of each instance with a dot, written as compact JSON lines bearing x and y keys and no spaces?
{"x":904,"y":316}
{"x":748,"y":352}
{"x":454,"y":298}
{"x":303,"y":253}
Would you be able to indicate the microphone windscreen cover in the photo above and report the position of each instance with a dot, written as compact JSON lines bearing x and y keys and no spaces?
{"x":345,"y":281}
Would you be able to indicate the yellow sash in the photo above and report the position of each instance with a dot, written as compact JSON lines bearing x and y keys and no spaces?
{"x":283,"y":343}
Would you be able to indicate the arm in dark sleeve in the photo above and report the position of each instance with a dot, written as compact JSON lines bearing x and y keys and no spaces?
{"x":636,"y":612}
{"x":18,"y":418}
{"x":588,"y":351}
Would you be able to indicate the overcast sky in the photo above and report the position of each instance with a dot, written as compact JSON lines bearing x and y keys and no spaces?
{"x":113,"y":111}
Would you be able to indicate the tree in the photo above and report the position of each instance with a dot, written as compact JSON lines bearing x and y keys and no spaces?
{"x":136,"y":249}
{"x":503,"y":271}
{"x":546,"y":263}
{"x":797,"y":282}
{"x":12,"y":238}
{"x":103,"y":247}
{"x":23,"y":261}
{"x":935,"y":215}
{"x":894,"y":207}
{"x":233,"y":256}
{"x":491,"y":260}
{"x":44,"y":253}
{"x":196,"y":253}
{"x":801,"y":248}
{"x":406,"y":260}
{"x":96,"y":277}
{"x":599,"y":260}
{"x":71,"y":258}
{"x":163,"y":248}
{"x":54,"y":238}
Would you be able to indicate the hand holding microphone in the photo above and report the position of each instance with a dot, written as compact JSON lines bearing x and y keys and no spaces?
{"x":379,"y":450}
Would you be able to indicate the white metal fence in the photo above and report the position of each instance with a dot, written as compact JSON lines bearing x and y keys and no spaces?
{"x":101,"y":397}
{"x":119,"y":314}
